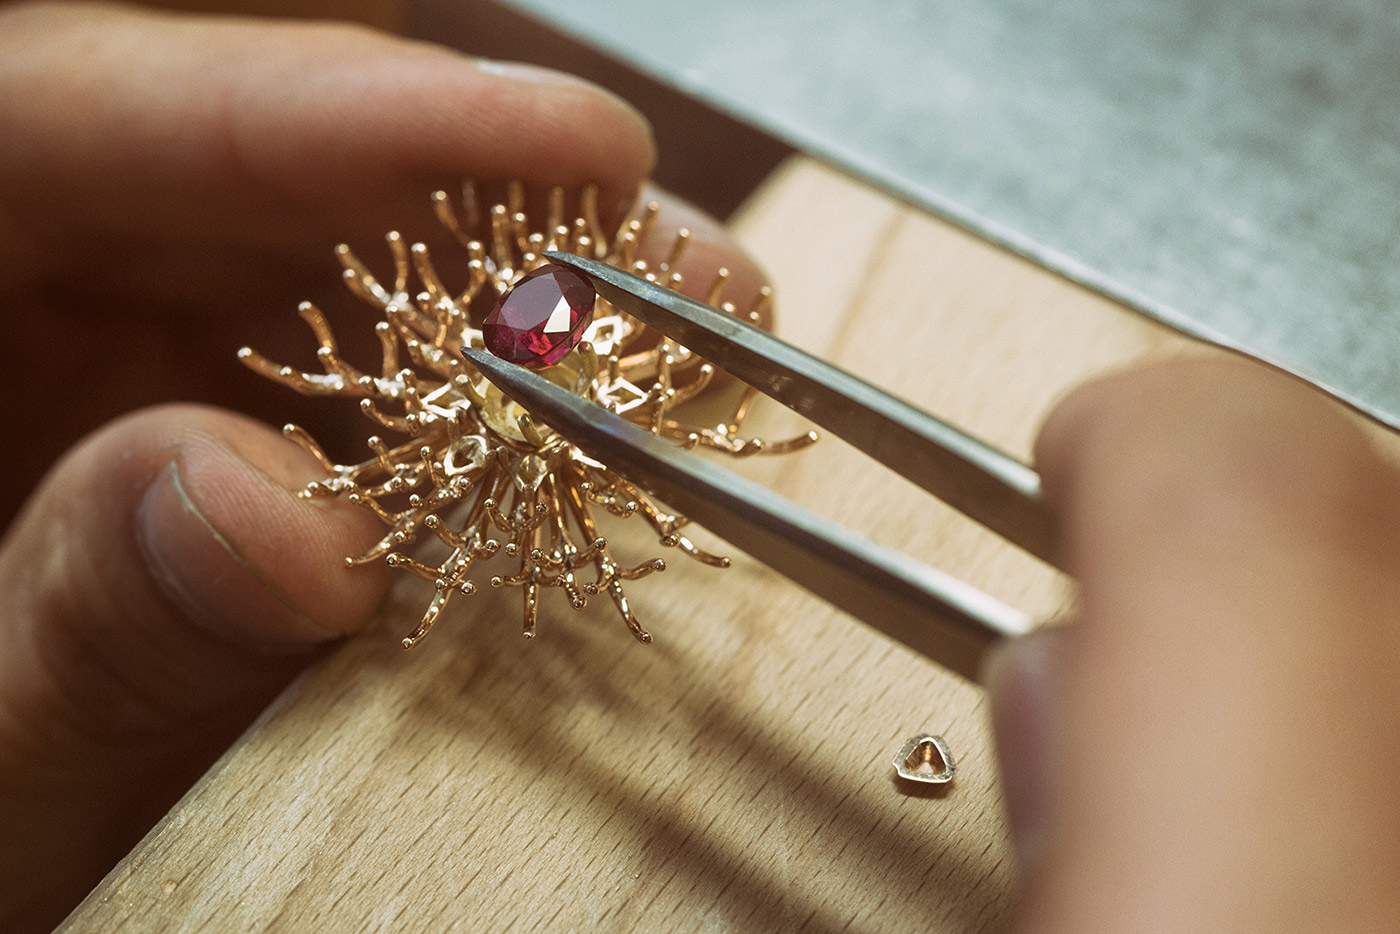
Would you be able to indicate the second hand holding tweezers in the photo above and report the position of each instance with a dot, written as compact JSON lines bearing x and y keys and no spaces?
{"x":945,"y":619}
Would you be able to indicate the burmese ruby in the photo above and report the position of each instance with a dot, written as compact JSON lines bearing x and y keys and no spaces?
{"x":541,"y":318}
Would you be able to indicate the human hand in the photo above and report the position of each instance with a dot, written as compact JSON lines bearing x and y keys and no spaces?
{"x":1210,"y":745}
{"x":170,"y":188}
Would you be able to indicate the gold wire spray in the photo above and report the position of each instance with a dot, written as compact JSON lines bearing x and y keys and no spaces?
{"x":475,"y":477}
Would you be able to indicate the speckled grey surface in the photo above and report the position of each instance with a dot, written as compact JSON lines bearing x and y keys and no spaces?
{"x":1232,"y":167}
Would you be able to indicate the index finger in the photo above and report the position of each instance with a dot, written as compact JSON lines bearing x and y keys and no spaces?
{"x":139,"y":123}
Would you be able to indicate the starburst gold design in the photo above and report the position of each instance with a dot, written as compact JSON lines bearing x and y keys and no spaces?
{"x":473,"y":476}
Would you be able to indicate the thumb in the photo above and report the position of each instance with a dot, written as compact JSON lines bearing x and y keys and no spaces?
{"x":163,"y":584}
{"x":1210,"y":746}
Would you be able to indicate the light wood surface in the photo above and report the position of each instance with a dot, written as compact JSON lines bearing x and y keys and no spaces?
{"x":734,"y":775}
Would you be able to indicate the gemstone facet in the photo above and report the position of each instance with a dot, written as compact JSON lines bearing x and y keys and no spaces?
{"x":541,"y":318}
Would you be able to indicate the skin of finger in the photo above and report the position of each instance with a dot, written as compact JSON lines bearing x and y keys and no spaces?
{"x":279,"y":132}
{"x":1226,"y":757}
{"x":1026,"y":696}
{"x":114,"y":699}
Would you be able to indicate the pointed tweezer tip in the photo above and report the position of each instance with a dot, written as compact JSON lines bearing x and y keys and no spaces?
{"x":628,"y":292}
{"x":599,"y":272}
{"x":510,"y":379}
{"x":542,"y":399}
{"x":594,"y":269}
{"x":579,"y":420}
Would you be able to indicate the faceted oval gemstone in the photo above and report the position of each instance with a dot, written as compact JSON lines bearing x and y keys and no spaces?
{"x":541,"y":318}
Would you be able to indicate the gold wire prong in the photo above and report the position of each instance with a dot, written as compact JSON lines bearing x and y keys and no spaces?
{"x":717,"y":284}
{"x":531,"y":590}
{"x":304,"y":440}
{"x":642,"y":570}
{"x":528,"y":429}
{"x":678,"y":247}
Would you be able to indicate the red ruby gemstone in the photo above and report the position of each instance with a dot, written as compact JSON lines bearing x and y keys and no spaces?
{"x":541,"y":318}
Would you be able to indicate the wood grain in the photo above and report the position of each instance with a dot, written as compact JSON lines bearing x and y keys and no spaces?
{"x":734,"y":775}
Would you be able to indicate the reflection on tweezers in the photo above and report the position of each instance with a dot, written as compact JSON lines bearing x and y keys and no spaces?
{"x":928,"y":610}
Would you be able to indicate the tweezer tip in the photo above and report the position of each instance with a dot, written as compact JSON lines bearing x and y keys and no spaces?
{"x":585,"y":264}
{"x":488,"y":364}
{"x":604,"y":274}
{"x":641,"y":297}
{"x":516,"y":382}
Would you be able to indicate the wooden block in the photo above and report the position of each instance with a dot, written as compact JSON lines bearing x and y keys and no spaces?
{"x":736,"y":774}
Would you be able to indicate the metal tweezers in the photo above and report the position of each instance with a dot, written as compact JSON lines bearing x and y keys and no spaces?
{"x":932,"y":612}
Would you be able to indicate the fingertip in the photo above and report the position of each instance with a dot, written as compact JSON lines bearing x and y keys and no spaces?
{"x":468,"y":117}
{"x":1209,"y":433}
{"x":1068,"y":438}
{"x":619,"y":125}
{"x":286,"y":132}
{"x":1116,"y":425}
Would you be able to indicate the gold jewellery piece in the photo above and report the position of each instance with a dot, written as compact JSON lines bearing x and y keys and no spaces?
{"x":926,"y":759}
{"x":468,"y":475}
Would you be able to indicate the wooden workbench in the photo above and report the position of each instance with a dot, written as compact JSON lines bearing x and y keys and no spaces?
{"x":734,"y":775}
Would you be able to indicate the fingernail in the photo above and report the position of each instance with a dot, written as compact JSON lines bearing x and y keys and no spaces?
{"x":533,"y":74}
{"x":203,"y":574}
{"x":1023,"y":680}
